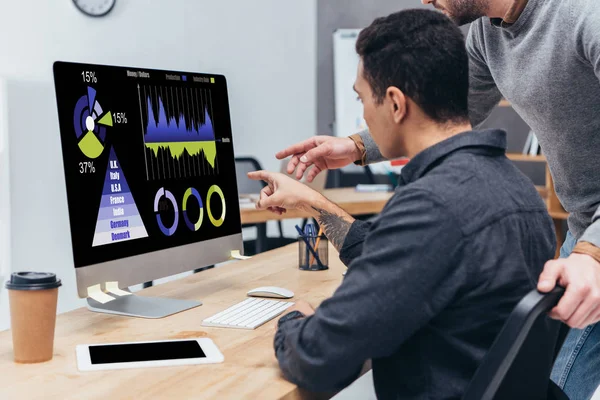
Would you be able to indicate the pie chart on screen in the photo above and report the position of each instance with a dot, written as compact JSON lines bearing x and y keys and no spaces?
{"x":90,"y":122}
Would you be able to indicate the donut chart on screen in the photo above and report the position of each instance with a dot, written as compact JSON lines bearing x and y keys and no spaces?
{"x":191,"y":192}
{"x":215,"y":189}
{"x":168,"y":231}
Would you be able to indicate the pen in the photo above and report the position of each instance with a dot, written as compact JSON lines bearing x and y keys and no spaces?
{"x":312,"y":233}
{"x":306,"y":234}
{"x":312,"y":259}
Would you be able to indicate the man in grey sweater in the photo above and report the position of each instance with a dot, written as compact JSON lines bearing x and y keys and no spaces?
{"x":544,"y":57}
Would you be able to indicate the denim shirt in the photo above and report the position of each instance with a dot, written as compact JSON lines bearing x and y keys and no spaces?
{"x":431,"y":279}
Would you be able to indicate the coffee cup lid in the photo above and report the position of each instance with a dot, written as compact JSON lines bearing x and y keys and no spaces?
{"x":32,"y":281}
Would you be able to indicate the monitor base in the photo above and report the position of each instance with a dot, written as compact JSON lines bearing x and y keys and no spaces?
{"x":142,"y":307}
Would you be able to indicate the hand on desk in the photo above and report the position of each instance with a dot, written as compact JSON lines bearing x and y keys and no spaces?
{"x":580,"y":275}
{"x":283,"y":193}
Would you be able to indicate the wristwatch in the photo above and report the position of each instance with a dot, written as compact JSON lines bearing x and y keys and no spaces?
{"x":290,"y":316}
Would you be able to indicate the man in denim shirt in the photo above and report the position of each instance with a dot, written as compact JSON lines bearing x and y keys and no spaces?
{"x":433,"y":278}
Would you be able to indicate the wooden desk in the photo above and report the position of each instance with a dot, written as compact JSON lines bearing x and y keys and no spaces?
{"x":250,"y":370}
{"x":353,"y":202}
{"x":358,"y":203}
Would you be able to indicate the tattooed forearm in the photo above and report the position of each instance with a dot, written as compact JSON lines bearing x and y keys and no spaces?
{"x":335,"y":226}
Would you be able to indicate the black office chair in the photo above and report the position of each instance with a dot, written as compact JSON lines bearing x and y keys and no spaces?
{"x":243,"y":165}
{"x":370,"y":176}
{"x":519,"y":362}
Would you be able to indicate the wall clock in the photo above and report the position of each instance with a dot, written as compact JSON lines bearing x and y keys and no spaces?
{"x":95,"y":8}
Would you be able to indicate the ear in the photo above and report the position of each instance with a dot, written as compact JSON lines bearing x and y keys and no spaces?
{"x":397,"y":103}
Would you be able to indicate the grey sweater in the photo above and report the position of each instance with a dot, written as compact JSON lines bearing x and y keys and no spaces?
{"x":547,"y":64}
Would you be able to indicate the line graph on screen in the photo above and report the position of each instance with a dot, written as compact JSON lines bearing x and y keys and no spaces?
{"x":179,"y":132}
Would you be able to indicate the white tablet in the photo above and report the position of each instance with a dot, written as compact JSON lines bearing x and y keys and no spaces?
{"x":96,"y":357}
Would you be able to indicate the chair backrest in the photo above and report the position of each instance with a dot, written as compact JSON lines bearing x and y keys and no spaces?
{"x":369,"y":174}
{"x":519,"y":363}
{"x":243,"y":165}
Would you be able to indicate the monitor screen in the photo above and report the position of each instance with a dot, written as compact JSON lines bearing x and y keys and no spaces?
{"x":148,"y":159}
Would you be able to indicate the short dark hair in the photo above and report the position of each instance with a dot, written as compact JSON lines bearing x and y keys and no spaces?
{"x":422,"y":53}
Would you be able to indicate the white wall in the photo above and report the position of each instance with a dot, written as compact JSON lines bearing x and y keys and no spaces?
{"x":266,"y":48}
{"x":4,"y":203}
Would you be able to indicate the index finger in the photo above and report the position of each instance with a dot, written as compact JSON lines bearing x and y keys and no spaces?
{"x":261,"y":176}
{"x":550,"y":275}
{"x":297,"y":148}
{"x":567,"y":305}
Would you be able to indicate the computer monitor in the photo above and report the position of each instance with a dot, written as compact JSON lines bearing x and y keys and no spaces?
{"x":150,"y":179}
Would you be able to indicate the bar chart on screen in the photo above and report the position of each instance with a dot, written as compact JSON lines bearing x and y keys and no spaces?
{"x":179,"y":132}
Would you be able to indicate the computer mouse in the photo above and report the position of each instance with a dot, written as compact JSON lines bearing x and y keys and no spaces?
{"x":272,"y":292}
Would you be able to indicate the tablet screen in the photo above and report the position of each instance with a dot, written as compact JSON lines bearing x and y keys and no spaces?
{"x":136,"y":352}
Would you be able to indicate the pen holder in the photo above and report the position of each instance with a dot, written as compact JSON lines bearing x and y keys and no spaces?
{"x":306,"y":260}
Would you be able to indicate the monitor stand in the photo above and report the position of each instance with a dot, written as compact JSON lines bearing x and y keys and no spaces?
{"x":142,"y":307}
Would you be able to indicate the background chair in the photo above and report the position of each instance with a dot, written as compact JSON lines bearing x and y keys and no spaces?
{"x":247,"y":186}
{"x":519,"y":362}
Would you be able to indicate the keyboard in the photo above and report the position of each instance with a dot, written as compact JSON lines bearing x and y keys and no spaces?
{"x":249,"y":314}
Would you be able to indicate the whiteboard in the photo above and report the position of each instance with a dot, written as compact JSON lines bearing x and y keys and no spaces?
{"x":348,"y":109}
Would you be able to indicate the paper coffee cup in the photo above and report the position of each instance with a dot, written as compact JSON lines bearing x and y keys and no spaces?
{"x":33,"y":297}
